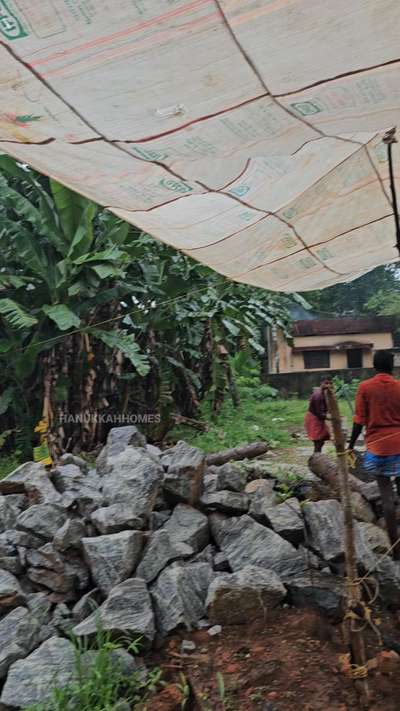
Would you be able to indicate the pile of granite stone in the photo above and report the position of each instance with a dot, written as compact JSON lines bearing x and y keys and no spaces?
{"x":151,"y":541}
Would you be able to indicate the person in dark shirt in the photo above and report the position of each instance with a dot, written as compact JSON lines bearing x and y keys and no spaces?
{"x":315,"y":419}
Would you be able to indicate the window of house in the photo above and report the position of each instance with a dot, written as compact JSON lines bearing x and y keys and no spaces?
{"x":354,"y":358}
{"x":317,"y":359}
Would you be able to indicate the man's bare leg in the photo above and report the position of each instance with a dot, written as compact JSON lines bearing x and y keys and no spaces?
{"x":389,"y":511}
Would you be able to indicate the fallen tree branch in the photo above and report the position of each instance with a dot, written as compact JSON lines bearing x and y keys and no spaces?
{"x":248,"y":451}
{"x":190,"y":422}
{"x":326,"y":469}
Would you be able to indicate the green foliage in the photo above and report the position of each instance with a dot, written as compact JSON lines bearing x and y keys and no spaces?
{"x":94,"y":315}
{"x":370,"y":293}
{"x":385,"y":302}
{"x":346,"y":390}
{"x":124,"y":342}
{"x":6,"y":400}
{"x":224,"y":697}
{"x":60,"y":272}
{"x":100,"y":682}
{"x":184,"y":687}
{"x":248,"y":379}
{"x":260,"y":393}
{"x":287,"y":483}
{"x":244,"y":364}
{"x":221,"y":686}
{"x":15,"y":315}
{"x":9,"y":462}
{"x":62,"y":316}
{"x":4,"y":436}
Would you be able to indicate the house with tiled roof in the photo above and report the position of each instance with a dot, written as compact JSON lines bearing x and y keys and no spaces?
{"x":331,"y":344}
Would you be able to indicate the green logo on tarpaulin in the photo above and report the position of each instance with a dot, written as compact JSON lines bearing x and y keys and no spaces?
{"x":306,"y":108}
{"x":27,"y":118}
{"x":324,"y":253}
{"x":288,"y":242}
{"x":307,"y":262}
{"x":289,"y":213}
{"x":150,"y":154}
{"x":175,"y":185}
{"x":240,"y":190}
{"x":10,"y":25}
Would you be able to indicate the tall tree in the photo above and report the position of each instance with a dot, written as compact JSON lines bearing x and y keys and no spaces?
{"x":352,"y":298}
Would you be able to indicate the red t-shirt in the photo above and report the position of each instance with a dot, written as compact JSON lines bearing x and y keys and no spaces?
{"x":378,"y":408}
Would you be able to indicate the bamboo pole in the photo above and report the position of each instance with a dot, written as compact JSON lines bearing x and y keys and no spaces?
{"x":356,"y":637}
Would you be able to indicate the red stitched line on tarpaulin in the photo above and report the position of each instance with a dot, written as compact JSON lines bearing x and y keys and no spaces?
{"x":77,"y":113}
{"x":193,"y":122}
{"x":123,"y":33}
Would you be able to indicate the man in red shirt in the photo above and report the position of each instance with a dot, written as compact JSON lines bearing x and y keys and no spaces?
{"x":378,"y":410}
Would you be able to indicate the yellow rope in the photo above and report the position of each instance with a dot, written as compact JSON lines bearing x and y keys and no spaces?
{"x":358,"y":672}
{"x":360,"y":610}
{"x":352,"y":670}
{"x":383,"y":556}
{"x":350,"y":455}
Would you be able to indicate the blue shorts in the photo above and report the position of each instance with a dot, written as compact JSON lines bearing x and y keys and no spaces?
{"x":382,"y":466}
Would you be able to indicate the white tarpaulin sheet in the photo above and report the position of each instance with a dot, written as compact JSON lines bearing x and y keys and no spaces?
{"x":246,"y":133}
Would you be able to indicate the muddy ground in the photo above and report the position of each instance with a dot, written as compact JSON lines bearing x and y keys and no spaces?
{"x":290,"y":663}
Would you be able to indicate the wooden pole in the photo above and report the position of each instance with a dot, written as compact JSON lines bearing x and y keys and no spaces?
{"x":356,"y":637}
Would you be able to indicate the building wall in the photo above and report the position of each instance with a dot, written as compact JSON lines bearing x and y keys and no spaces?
{"x":288,"y":362}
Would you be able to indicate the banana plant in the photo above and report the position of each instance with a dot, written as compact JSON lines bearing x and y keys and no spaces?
{"x":95,"y":316}
{"x":63,"y":267}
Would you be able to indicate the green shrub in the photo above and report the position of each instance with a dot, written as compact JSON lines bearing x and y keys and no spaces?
{"x":248,"y":381}
{"x":103,"y":684}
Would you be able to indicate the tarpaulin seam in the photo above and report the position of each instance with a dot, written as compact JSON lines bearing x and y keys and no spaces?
{"x":344,"y":75}
{"x":274,"y":97}
{"x":297,"y":251}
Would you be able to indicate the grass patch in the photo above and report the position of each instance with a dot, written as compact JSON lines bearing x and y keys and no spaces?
{"x":102,"y":682}
{"x":272,"y":420}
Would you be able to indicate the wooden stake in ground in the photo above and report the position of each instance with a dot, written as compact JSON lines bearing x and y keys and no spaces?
{"x":356,"y":636}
